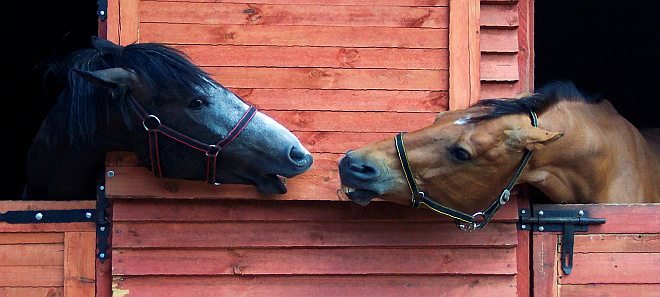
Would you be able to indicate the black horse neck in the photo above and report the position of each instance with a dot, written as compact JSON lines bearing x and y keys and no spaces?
{"x":58,"y":169}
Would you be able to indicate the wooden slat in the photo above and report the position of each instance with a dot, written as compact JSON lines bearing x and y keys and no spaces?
{"x":498,"y":90}
{"x":79,"y":264}
{"x":610,"y":290}
{"x":32,"y":292}
{"x":56,"y":227}
{"x":499,"y":40}
{"x":464,"y":55}
{"x":31,"y":254}
{"x":294,"y":35}
{"x":45,"y":205}
{"x":293,"y":15}
{"x":499,"y":67}
{"x":31,"y":276}
{"x":111,"y":23}
{"x":345,"y":121}
{"x":338,"y":142}
{"x":129,"y":18}
{"x":345,"y":261}
{"x":335,"y":2}
{"x":621,"y":218}
{"x":499,"y":15}
{"x":345,"y":100}
{"x":525,"y":47}
{"x":329,"y":78}
{"x":332,"y":57}
{"x":621,"y":268}
{"x":544,"y":266}
{"x":327,"y":234}
{"x":524,"y":245}
{"x":27,"y":238}
{"x":305,"y":286}
{"x":617,"y":243}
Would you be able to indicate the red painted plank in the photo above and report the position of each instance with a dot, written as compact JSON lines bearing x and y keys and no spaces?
{"x":498,"y":90}
{"x":333,"y":57}
{"x":32,"y":254}
{"x":31,"y":276}
{"x":292,"y":15}
{"x":294,"y":35}
{"x":621,"y":218}
{"x":338,"y":142}
{"x":334,"y":2}
{"x":499,"y":67}
{"x":79,"y":264}
{"x":26,"y":238}
{"x":345,"y":100}
{"x":304,"y":261}
{"x":345,"y":121}
{"x":617,"y":243}
{"x":499,"y":15}
{"x":544,"y":264}
{"x":44,"y":205}
{"x":32,"y":292}
{"x":329,"y":78}
{"x":499,"y":40}
{"x":56,"y":227}
{"x":327,"y":234}
{"x":621,"y":268}
{"x":610,"y":290}
{"x":305,"y":286}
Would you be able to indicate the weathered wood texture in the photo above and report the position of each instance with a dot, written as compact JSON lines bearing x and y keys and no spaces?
{"x":619,"y":258}
{"x":48,"y":260}
{"x":305,"y":248}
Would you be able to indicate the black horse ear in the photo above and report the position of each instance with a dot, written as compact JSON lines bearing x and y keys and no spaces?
{"x":110,"y":78}
{"x":105,"y":46}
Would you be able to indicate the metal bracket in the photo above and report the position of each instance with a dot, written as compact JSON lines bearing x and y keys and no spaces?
{"x":103,"y":225}
{"x":48,"y":216}
{"x":567,"y":221}
{"x":102,"y":10}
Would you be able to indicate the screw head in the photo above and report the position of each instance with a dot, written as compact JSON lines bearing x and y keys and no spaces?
{"x":216,"y":184}
{"x":523,"y":226}
{"x":523,"y":211}
{"x":111,"y":173}
{"x":39,"y":216}
{"x":102,"y":255}
{"x":541,"y":228}
{"x":102,"y":12}
{"x":102,"y":188}
{"x":581,"y":212}
{"x":88,"y":215}
{"x":540,"y":212}
{"x":102,"y":229}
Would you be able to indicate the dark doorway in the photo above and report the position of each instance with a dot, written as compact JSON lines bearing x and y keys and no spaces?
{"x":34,"y":32}
{"x":607,"y":48}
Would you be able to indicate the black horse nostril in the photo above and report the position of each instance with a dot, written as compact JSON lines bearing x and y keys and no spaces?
{"x":356,"y":168}
{"x":299,"y":157}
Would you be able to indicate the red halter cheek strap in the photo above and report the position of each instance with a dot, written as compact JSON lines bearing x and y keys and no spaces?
{"x":154,"y":128}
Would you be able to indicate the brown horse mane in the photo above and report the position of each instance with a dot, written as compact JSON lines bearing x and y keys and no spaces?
{"x":539,"y":101}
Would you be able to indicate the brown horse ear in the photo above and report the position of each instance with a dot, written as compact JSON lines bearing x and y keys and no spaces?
{"x":110,"y":78}
{"x":531,"y":138}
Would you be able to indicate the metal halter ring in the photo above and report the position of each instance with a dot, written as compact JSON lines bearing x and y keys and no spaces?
{"x":504,"y":198}
{"x":416,"y":199}
{"x":213,"y":150}
{"x":475,"y":224}
{"x":152,"y":119}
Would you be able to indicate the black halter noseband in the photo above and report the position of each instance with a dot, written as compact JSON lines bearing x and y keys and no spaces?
{"x":463,"y":220}
{"x":154,"y":127}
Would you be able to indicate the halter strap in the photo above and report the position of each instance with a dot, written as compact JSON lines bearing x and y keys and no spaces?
{"x":463,"y":220}
{"x":154,"y":128}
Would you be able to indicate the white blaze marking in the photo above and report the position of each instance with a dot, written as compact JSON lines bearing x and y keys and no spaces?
{"x":462,"y":121}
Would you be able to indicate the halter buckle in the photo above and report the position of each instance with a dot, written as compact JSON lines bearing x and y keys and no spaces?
{"x":152,"y":122}
{"x":212,"y":151}
{"x":416,"y":199}
{"x":504,"y":197}
{"x":479,"y":220}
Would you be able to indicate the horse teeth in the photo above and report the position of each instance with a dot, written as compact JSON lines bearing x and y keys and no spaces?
{"x":347,"y":189}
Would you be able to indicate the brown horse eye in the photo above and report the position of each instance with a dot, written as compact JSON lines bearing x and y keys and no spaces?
{"x":196,"y":104}
{"x":460,"y":154}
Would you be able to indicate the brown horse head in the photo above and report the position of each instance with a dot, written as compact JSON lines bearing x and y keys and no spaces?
{"x":465,"y":158}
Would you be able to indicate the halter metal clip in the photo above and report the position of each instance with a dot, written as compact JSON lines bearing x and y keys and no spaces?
{"x":504,"y":197}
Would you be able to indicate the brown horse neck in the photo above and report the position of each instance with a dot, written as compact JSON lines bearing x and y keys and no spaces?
{"x":602,"y":158}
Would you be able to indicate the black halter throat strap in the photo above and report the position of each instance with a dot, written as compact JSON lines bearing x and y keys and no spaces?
{"x":156,"y":129}
{"x":463,"y":220}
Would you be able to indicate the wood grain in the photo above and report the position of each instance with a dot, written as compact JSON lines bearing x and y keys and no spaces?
{"x":27,"y":238}
{"x":621,"y":268}
{"x":610,"y":290}
{"x":31,"y":254}
{"x":79,"y":264}
{"x":31,"y":276}
{"x":617,"y":243}
{"x":32,"y":292}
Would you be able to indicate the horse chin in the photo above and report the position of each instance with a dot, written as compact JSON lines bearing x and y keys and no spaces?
{"x":360,"y":196}
{"x":271,"y":184}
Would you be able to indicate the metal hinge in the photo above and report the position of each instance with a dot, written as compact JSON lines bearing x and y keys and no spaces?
{"x":48,"y":216}
{"x":102,"y":11}
{"x":567,"y":221}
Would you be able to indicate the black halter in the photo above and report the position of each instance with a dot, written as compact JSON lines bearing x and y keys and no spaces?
{"x":155,"y":128}
{"x":464,"y":221}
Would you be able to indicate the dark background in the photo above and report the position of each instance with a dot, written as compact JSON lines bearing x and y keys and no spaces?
{"x":606,"y":47}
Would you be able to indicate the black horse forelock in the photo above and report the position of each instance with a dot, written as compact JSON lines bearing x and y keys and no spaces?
{"x":160,"y":69}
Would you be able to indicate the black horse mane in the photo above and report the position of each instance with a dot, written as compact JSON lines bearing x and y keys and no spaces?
{"x":539,"y":101}
{"x":161,"y":69}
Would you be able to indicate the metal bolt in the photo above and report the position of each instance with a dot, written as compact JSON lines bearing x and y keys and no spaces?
{"x":540,"y":212}
{"x":102,"y":229}
{"x":216,"y":184}
{"x":581,"y":212}
{"x":523,"y":211}
{"x":541,"y":228}
{"x":39,"y":216}
{"x":102,"y":255}
{"x":102,"y":188}
{"x":111,"y":173}
{"x":523,"y":226}
{"x":88,"y":215}
{"x":102,"y":12}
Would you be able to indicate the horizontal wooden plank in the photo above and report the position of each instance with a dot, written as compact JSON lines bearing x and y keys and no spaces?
{"x":495,"y":15}
{"x":40,"y":227}
{"x":32,"y":292}
{"x":610,"y":290}
{"x":498,"y":90}
{"x":332,"y":57}
{"x":621,"y":218}
{"x":32,"y":254}
{"x":294,"y":35}
{"x":31,"y":276}
{"x":499,"y":67}
{"x":617,"y":243}
{"x":26,"y":238}
{"x":334,"y":2}
{"x":338,"y":142}
{"x":621,"y":268}
{"x":344,"y":261}
{"x":345,"y":100}
{"x":498,"y":40}
{"x":134,"y":210}
{"x":8,"y":205}
{"x":305,"y":286}
{"x":326,"y":234}
{"x":345,"y":121}
{"x":330,"y":78}
{"x":293,"y":15}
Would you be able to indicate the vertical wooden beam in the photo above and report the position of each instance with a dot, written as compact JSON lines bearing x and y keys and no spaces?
{"x":464,"y":53}
{"x":129,"y":21}
{"x":525,"y":46}
{"x":523,"y":249}
{"x":111,"y":22}
{"x":545,"y":264}
{"x":79,"y":262}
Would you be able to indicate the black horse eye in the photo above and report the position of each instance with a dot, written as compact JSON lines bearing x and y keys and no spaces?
{"x":196,"y":104}
{"x":460,"y":154}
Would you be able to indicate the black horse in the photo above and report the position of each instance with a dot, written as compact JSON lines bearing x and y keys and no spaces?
{"x":152,"y":100}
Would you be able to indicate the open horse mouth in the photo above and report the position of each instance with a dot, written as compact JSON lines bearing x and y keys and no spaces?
{"x":270,"y":184}
{"x":359,"y":196}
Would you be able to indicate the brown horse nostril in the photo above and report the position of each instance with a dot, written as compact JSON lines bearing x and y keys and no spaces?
{"x":355,"y":168}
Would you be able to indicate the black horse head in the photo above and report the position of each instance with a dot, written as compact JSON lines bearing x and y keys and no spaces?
{"x":114,"y":97}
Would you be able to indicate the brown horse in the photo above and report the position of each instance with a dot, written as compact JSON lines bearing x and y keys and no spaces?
{"x":583,"y":152}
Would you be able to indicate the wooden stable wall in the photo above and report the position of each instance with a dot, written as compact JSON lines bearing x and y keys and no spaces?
{"x":47,"y":260}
